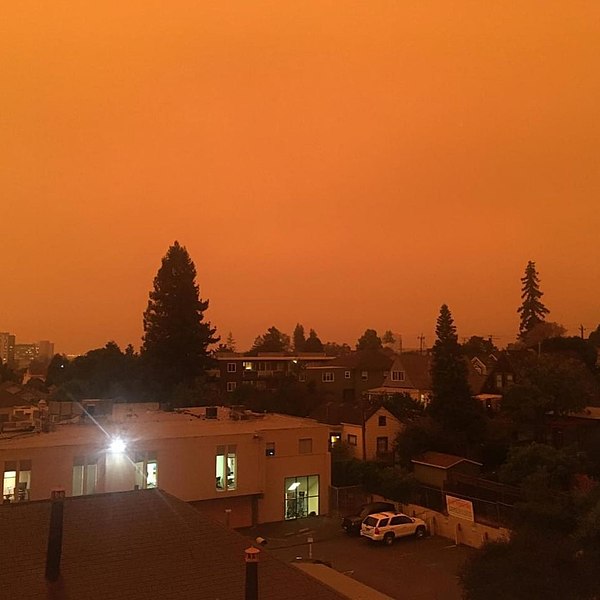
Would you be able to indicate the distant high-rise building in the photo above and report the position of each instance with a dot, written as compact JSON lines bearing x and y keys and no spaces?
{"x":45,"y":350}
{"x":7,"y":347}
{"x":24,"y":354}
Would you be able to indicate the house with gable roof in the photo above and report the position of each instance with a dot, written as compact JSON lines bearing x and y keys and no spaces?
{"x":409,"y":374}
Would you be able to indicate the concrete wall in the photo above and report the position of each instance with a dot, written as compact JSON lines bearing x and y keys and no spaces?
{"x":455,"y":529}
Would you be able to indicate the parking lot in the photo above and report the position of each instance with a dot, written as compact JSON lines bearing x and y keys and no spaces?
{"x":410,"y":569}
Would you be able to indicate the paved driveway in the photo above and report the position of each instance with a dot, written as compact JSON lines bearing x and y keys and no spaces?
{"x":409,"y":570}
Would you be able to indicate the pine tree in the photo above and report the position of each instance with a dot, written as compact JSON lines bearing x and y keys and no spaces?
{"x":313,"y":343}
{"x":299,"y":339}
{"x":230,"y":343}
{"x":532,"y":310}
{"x":452,"y":405}
{"x":176,"y":337}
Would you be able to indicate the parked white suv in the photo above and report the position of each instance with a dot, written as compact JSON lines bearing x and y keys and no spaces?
{"x":387,"y":526}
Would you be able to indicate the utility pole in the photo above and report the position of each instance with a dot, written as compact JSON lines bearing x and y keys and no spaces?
{"x":421,"y":339}
{"x":582,"y":329}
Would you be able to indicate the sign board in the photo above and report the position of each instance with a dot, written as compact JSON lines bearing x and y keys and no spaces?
{"x":462,"y":509}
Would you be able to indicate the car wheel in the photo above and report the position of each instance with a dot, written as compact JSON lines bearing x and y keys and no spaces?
{"x":388,"y":539}
{"x":420,"y":532}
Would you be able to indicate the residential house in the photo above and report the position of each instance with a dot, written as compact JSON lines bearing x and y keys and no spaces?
{"x":19,"y":407}
{"x":264,"y":370}
{"x":346,"y":378}
{"x":409,"y":374}
{"x":381,"y":427}
{"x":260,"y":467}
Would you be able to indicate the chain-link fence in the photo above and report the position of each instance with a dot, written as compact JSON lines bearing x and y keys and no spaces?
{"x":344,"y":500}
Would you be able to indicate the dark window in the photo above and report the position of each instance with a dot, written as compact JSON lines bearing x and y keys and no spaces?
{"x":383,"y":522}
{"x":382,"y":421}
{"x":382,"y":444}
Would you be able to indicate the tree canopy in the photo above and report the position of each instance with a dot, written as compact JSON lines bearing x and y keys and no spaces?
{"x":299,"y":339}
{"x":532,"y":310}
{"x":369,"y":341}
{"x":176,"y":337}
{"x":451,"y":403}
{"x":313,"y":343}
{"x":271,"y":341}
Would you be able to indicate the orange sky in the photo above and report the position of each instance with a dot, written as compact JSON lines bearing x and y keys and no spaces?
{"x":342,"y":164}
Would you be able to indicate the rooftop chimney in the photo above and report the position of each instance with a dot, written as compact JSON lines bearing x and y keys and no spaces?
{"x":55,"y":535}
{"x":252,"y":573}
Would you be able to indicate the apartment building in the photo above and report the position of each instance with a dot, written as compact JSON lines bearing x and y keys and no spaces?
{"x":240,"y":467}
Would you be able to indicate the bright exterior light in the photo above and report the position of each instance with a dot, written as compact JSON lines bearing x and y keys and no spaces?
{"x":293,"y":486}
{"x":117,"y":446}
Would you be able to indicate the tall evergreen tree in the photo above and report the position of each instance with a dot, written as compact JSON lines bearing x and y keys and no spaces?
{"x":313,"y":343}
{"x":532,"y":310}
{"x":298,"y":338}
{"x":176,"y":337}
{"x":452,"y":405}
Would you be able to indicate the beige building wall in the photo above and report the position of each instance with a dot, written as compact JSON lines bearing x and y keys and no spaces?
{"x":187,"y":467}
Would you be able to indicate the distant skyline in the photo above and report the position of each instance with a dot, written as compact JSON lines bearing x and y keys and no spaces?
{"x":343,"y":166}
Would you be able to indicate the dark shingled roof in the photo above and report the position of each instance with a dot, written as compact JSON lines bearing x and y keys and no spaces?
{"x":441,"y":460}
{"x":137,"y":545}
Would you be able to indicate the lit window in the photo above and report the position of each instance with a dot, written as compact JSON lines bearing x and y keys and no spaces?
{"x":382,"y":421}
{"x":226,"y":468}
{"x":352,"y":439}
{"x":499,"y":380}
{"x":231,"y":386}
{"x":85,"y":475}
{"x":346,"y":374}
{"x":16,"y":480}
{"x":364,"y":375}
{"x":146,"y":470}
{"x":397,"y":375}
{"x":328,"y":376}
{"x":305,"y":446}
{"x":231,"y":367}
{"x":509,"y":378}
{"x":301,"y":496}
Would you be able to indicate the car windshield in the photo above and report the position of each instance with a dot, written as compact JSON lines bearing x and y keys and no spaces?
{"x":370,"y":521}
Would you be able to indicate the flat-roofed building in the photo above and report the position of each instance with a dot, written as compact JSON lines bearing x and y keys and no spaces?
{"x":258,"y":467}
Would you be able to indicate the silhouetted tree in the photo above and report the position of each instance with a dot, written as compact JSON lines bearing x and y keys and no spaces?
{"x":58,"y":370}
{"x":272,"y":341}
{"x":313,"y":343}
{"x":8,"y":374}
{"x":230,"y":342}
{"x":594,"y":337}
{"x":478,"y":346}
{"x":549,"y":383}
{"x":369,"y":341}
{"x":335,"y":349}
{"x":572,"y":347}
{"x":176,"y":338}
{"x":540,"y":332}
{"x":532,"y":310}
{"x":299,"y":339}
{"x":388,"y":337}
{"x":451,"y":404}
